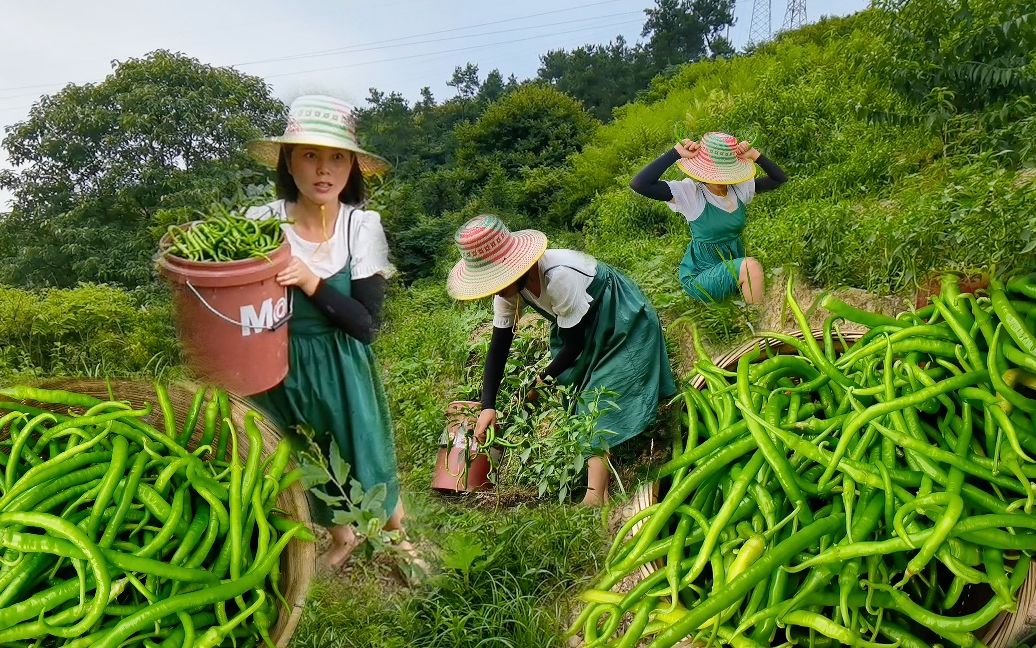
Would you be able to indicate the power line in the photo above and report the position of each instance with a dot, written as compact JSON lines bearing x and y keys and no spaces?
{"x":449,"y":51}
{"x":445,"y":31}
{"x":19,"y":108}
{"x":353,"y":49}
{"x":390,"y":40}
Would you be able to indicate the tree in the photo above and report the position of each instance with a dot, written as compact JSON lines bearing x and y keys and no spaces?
{"x":427,"y":99}
{"x":601,"y":76}
{"x":98,"y":160}
{"x":387,"y":125}
{"x":533,"y":126}
{"x":493,"y":87}
{"x":681,"y":31}
{"x":465,"y":80}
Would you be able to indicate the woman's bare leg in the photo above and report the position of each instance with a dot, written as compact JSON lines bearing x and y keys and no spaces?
{"x":751,"y":280}
{"x":343,"y":543}
{"x":344,"y":540}
{"x":596,"y":481}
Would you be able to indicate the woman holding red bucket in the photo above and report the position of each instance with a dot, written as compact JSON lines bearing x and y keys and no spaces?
{"x":712,"y":199}
{"x":338,"y":275}
{"x":604,"y":333}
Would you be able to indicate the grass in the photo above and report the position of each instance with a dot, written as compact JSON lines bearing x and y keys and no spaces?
{"x":505,"y":580}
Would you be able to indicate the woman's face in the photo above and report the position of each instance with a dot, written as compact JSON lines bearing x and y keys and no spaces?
{"x":320,"y":172}
{"x":510,"y":291}
{"x":515,"y":288}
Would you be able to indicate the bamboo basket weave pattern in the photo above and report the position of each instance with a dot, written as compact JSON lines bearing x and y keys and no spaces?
{"x":298,"y":559}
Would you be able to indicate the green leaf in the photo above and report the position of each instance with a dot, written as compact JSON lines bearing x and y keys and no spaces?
{"x":462,"y":550}
{"x":577,"y":463}
{"x":330,"y":500}
{"x":374,"y":499}
{"x":313,"y":475}
{"x":339,"y":467}
{"x":355,"y":491}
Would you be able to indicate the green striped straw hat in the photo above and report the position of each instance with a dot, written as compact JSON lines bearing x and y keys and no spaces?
{"x":492,"y":257}
{"x":319,"y":120}
{"x":716,"y":162}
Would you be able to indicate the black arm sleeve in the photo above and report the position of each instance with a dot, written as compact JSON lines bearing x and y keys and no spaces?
{"x":647,"y":182}
{"x":496,"y":360}
{"x":360,"y":315}
{"x":573,"y":341}
{"x":775,"y":175}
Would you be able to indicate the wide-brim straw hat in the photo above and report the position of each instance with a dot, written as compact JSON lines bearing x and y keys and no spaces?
{"x":717,"y":162}
{"x":492,"y":257}
{"x":319,"y":120}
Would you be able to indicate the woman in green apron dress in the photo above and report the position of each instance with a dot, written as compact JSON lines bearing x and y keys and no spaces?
{"x":712,"y":200}
{"x":337,"y":275}
{"x":604,"y":333}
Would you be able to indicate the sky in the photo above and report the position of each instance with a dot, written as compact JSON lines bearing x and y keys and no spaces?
{"x":342,"y":47}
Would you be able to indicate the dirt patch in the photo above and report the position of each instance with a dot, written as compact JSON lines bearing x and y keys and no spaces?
{"x":1025,"y":177}
{"x":776,"y":316}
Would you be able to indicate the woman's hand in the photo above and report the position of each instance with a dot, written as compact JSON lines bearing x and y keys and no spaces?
{"x":297,"y":273}
{"x":532,"y":396}
{"x":486,"y":418}
{"x":745,"y":151}
{"x":688,"y":149}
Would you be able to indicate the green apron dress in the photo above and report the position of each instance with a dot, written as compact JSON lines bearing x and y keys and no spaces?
{"x":624,"y":352}
{"x":333,"y":386}
{"x":711,"y":266}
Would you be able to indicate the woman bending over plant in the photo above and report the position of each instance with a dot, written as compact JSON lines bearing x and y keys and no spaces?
{"x":604,"y":333}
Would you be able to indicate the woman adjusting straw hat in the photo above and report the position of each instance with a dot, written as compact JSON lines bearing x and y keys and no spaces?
{"x":721,"y":182}
{"x":604,"y":333}
{"x":338,"y":273}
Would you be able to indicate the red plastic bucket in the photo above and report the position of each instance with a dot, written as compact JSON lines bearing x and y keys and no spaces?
{"x":460,"y":465}
{"x":933,"y":286}
{"x":230,"y":318}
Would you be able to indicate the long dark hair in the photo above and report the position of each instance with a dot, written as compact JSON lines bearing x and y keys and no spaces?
{"x":354,"y":193}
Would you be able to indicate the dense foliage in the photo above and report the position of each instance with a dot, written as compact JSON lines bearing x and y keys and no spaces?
{"x":97,"y":161}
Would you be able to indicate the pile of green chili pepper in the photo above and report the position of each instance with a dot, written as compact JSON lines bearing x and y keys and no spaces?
{"x":873,"y":493}
{"x":112,"y":533}
{"x":225,"y":235}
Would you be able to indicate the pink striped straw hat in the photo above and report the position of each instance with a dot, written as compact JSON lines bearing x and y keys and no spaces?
{"x":492,"y":257}
{"x":716,"y":161}
{"x":319,"y":120}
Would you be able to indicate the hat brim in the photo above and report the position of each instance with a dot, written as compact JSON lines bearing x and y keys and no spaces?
{"x":698,"y":170}
{"x":466,"y":283}
{"x":268,"y":149}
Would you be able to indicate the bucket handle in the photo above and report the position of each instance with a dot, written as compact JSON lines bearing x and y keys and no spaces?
{"x":276,"y":325}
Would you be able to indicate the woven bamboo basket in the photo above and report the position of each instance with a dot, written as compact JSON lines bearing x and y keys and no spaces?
{"x":1006,"y":631}
{"x":299,"y":557}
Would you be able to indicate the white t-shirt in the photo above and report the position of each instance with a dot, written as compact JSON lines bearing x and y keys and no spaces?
{"x":564,"y":277}
{"x":366,"y":242}
{"x":689,"y":197}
